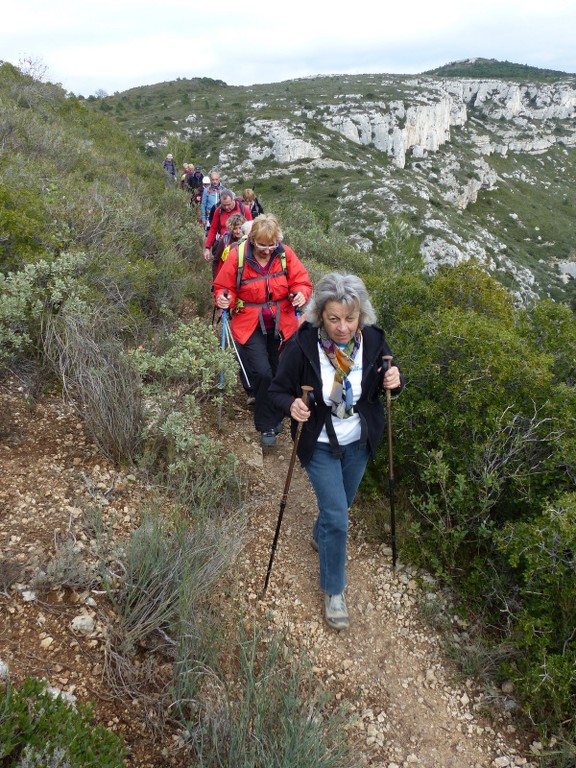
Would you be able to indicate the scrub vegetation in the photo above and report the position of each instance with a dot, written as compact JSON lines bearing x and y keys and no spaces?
{"x":102,"y":298}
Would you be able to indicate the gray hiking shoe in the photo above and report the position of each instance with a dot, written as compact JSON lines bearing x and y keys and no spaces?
{"x":336,"y":611}
{"x":279,"y":428}
{"x":268,"y":438}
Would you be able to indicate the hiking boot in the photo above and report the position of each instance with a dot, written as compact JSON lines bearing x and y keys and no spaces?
{"x":250,"y":400}
{"x":279,"y":428}
{"x":268,"y":438}
{"x":336,"y":611}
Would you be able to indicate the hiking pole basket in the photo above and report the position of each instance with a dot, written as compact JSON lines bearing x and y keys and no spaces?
{"x":305,"y":391}
{"x":387,"y":360}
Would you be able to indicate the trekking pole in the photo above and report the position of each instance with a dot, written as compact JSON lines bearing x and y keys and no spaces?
{"x":232,"y":343}
{"x":223,"y":344}
{"x":387,"y":360}
{"x":305,"y":391}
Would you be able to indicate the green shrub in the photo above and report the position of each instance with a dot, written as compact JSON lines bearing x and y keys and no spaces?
{"x":477,"y":443}
{"x":37,"y":729}
{"x":181,"y":374}
{"x":552,"y":326}
{"x":100,"y":380}
{"x":542,"y":552}
{"x":170,"y":563}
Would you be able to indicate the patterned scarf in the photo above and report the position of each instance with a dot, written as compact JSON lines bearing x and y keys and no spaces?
{"x":342,"y":361}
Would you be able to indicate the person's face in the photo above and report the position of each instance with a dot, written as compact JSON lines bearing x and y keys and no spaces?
{"x":237,"y":231}
{"x":227,"y":203}
{"x":340,"y":321}
{"x":215,"y":180}
{"x":263,"y":251}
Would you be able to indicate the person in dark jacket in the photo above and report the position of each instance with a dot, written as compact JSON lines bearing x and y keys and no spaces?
{"x":338,"y":351}
{"x":170,"y":168}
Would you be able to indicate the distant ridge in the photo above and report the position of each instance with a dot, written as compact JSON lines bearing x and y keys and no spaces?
{"x":491,"y":68}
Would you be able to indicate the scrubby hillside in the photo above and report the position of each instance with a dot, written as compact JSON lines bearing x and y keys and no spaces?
{"x":480,"y":166}
{"x":133,"y":529}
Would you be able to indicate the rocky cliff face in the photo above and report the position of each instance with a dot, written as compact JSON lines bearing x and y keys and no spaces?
{"x":480,"y":168}
{"x":522,"y":118}
{"x":445,"y":133}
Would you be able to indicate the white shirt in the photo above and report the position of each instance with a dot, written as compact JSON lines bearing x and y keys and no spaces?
{"x":347,"y":430}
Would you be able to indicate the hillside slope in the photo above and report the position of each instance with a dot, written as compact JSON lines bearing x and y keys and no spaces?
{"x":405,"y":708}
{"x":480,"y":167}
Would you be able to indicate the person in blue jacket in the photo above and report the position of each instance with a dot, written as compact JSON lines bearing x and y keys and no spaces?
{"x":338,"y":351}
{"x":210,"y":198}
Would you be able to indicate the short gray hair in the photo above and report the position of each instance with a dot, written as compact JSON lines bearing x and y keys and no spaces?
{"x":346,"y":289}
{"x":226,"y":193}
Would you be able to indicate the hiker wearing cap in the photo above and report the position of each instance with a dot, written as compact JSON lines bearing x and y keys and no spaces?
{"x":197,"y":179}
{"x":170,"y":169}
{"x":263,"y":283}
{"x":338,"y":351}
{"x":210,"y":198}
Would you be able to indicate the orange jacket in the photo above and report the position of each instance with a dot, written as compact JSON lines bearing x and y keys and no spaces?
{"x":257,"y":291}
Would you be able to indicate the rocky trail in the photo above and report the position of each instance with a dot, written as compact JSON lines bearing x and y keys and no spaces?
{"x":389,"y":669}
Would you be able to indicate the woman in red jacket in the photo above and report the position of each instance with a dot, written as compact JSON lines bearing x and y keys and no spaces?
{"x":263,"y":283}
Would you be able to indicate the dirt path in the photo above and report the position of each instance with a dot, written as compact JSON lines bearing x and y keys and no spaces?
{"x":388,"y":668}
{"x":406,"y":709}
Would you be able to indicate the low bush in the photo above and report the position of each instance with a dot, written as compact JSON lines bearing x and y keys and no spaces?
{"x":542,"y":552}
{"x":266,"y":711}
{"x":181,"y":373}
{"x":41,"y":730}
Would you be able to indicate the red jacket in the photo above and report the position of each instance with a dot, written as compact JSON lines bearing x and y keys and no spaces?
{"x":218,"y":224}
{"x":258,"y":290}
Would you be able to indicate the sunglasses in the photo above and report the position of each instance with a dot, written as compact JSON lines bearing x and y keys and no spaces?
{"x":267,"y":247}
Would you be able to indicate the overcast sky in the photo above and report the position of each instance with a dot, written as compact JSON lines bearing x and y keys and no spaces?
{"x":113,"y":45}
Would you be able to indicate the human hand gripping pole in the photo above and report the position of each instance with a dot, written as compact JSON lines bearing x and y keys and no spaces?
{"x":223,"y":344}
{"x":305,"y":391}
{"x":387,"y":362}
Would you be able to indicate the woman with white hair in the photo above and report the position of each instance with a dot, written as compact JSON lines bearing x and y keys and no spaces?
{"x":339,"y":352}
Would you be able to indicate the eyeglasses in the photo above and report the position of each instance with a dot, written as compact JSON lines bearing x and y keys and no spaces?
{"x":266,"y":247}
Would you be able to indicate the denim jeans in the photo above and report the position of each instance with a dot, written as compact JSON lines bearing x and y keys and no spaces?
{"x":335,"y":482}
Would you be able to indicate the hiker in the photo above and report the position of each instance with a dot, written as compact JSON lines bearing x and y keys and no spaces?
{"x":210,"y":197}
{"x":266,"y":282}
{"x":185,"y":175}
{"x":232,"y":235}
{"x":228,"y":206}
{"x":196,"y":180}
{"x":170,"y":168}
{"x":251,"y":201}
{"x":338,"y":351}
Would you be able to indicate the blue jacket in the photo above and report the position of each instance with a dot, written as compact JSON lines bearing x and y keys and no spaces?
{"x":300,"y":364}
{"x":210,"y":197}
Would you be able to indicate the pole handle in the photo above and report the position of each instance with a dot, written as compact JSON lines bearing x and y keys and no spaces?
{"x":306,"y":389}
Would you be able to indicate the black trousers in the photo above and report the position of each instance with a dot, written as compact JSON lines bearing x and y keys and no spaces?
{"x":260,"y":355}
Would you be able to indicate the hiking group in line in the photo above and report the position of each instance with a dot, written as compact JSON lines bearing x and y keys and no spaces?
{"x":335,"y":351}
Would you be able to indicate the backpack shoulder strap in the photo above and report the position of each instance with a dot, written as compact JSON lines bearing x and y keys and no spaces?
{"x":241,"y":249}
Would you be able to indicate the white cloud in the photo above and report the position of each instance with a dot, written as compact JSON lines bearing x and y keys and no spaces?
{"x":119,"y":44}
